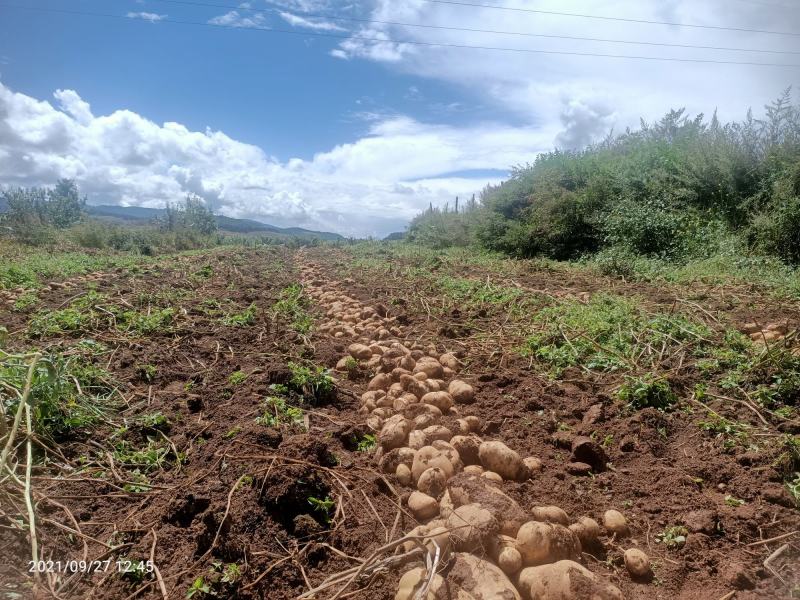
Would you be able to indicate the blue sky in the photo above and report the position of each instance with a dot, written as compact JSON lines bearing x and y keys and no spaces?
{"x":341,"y":133}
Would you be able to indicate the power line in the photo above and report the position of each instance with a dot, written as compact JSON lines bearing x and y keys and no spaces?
{"x":471,"y":30}
{"x":604,"y":18}
{"x":412,"y":42}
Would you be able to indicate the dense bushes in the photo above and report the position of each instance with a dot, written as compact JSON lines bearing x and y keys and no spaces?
{"x":676,"y":189}
{"x":47,"y":217}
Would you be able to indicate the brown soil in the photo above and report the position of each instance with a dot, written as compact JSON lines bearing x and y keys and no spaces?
{"x":242,"y":494}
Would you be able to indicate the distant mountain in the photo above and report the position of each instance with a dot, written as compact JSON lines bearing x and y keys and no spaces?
{"x":397,"y":235}
{"x":141,"y":215}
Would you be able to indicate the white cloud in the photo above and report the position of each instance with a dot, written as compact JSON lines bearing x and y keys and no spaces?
{"x":297,"y":21}
{"x":234,"y":19}
{"x":369,"y":187}
{"x":582,"y":98}
{"x":146,"y":16}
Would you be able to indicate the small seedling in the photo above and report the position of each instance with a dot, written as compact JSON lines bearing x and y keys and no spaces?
{"x":323,"y":506}
{"x":147,"y":372}
{"x":199,"y":586}
{"x":673,"y":537}
{"x":731,"y":501}
{"x":237,"y":377}
{"x":367,"y":443}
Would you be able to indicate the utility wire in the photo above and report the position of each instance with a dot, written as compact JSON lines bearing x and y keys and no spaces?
{"x":604,"y":18}
{"x":409,"y":42}
{"x":471,"y":30}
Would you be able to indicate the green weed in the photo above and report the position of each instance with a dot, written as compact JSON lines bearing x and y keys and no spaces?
{"x":606,"y":334}
{"x":673,"y":537}
{"x":241,"y":319}
{"x":647,"y":392}
{"x":237,"y":378}
{"x":292,"y":307}
{"x":277,"y":412}
{"x":314,"y":383}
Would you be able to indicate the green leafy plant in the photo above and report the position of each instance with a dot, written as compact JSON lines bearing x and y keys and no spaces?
{"x":367,"y":443}
{"x":241,"y":319}
{"x":647,"y":392}
{"x":276,"y":412}
{"x":733,"y":501}
{"x":292,"y":307}
{"x":237,"y":378}
{"x":155,"y":420}
{"x":673,"y":537}
{"x":323,"y":506}
{"x":314,"y":383}
{"x":198,"y":587}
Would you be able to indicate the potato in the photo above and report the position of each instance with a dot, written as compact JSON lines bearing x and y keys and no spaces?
{"x":450,"y":452}
{"x":403,"y":474}
{"x":470,"y":527}
{"x":475,"y":470}
{"x":417,"y":439}
{"x":587,"y":530}
{"x":422,"y":506}
{"x":413,"y":581}
{"x":359,"y":351}
{"x":467,"y":447}
{"x":398,"y":373}
{"x":403,"y":402}
{"x":540,"y":543}
{"x":564,"y":580}
{"x":615,"y":523}
{"x":372,"y":395}
{"x":502,"y":549}
{"x":532,"y":465}
{"x":432,"y":481}
{"x":496,"y":456}
{"x":475,"y":424}
{"x":427,"y":457}
{"x":381,"y":381}
{"x":550,"y":514}
{"x":394,"y":432}
{"x":389,"y":461}
{"x":407,"y":363}
{"x":386,"y":402}
{"x":439,"y":537}
{"x":461,"y":392}
{"x":441,"y":400}
{"x":438,"y":432}
{"x":430,"y":366}
{"x":637,"y":563}
{"x":417,"y":387}
{"x":342,"y":365}
{"x":449,"y":360}
{"x":465,"y":489}
{"x":492,"y":476}
{"x":479,"y":578}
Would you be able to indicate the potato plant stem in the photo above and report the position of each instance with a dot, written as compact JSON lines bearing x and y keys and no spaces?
{"x":18,"y":416}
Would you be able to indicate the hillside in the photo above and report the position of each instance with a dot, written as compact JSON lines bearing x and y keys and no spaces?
{"x":144,"y":215}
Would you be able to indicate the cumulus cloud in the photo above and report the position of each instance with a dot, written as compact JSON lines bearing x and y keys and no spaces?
{"x":583,"y":98}
{"x":368,"y":187}
{"x":146,"y":16}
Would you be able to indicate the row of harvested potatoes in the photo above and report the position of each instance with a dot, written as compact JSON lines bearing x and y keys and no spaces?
{"x":491,"y":548}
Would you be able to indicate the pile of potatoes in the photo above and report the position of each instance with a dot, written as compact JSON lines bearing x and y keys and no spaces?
{"x":493,"y":548}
